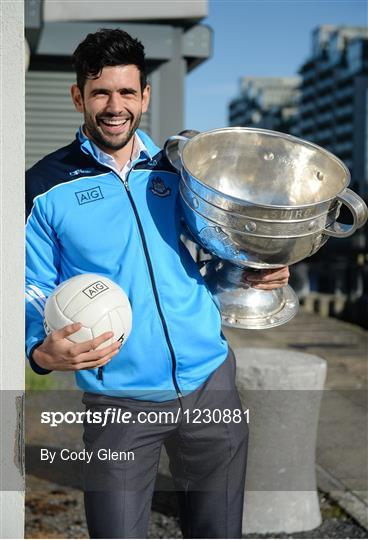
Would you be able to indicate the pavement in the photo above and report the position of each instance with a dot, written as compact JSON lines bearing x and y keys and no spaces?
{"x":342,"y":441}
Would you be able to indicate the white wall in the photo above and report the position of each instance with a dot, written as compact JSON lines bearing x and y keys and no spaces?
{"x":11,"y":265}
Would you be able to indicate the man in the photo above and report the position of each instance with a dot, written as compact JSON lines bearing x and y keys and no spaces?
{"x":176,"y":359}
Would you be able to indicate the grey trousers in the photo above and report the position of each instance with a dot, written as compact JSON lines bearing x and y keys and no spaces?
{"x":205,"y":435}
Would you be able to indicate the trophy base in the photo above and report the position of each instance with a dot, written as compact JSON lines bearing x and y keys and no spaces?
{"x":242,"y":306}
{"x":237,"y":315}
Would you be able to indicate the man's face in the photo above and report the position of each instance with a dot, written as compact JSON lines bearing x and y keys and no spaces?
{"x":112,"y":105}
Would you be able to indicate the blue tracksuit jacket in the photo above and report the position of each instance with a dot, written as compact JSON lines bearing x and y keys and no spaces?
{"x":83,"y":219}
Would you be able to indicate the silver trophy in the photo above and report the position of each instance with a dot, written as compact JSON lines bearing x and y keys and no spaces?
{"x":259,"y":199}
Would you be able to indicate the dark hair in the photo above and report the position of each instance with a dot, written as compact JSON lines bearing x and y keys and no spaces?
{"x":107,"y":47}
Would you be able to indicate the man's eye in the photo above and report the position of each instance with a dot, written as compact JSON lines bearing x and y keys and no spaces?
{"x":128,"y":93}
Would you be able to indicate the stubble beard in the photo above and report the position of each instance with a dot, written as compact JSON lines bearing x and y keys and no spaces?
{"x":100,"y":140}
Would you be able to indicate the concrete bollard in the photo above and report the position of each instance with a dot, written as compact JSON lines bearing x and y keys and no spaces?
{"x":282,"y":390}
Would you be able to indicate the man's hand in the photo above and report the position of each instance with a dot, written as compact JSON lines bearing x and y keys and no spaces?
{"x":60,"y":354}
{"x":267,"y":279}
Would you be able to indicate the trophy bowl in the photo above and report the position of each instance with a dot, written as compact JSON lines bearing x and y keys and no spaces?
{"x":259,"y":199}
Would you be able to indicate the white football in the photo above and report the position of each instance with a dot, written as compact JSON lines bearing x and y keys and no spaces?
{"x":96,"y":302}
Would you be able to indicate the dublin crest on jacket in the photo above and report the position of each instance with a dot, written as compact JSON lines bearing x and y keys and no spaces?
{"x":158,"y":187}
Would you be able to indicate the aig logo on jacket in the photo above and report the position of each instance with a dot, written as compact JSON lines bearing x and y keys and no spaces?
{"x":158,"y":187}
{"x":89,"y":195}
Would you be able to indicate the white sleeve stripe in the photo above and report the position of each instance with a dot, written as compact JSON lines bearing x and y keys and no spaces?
{"x":35,"y":304}
{"x":37,"y":290}
{"x":33,"y":294}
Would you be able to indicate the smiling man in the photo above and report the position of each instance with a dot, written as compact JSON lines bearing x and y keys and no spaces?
{"x":176,"y":367}
{"x":109,"y":124}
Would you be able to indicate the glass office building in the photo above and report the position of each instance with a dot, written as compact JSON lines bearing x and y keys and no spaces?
{"x":334,"y":97}
{"x":265,"y":102}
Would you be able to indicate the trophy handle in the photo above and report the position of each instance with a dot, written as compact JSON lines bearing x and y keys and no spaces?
{"x":359,"y":211}
{"x":174,"y":146}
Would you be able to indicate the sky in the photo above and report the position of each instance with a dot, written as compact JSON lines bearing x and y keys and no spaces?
{"x":257,"y":38}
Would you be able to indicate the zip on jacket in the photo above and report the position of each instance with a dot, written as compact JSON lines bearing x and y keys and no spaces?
{"x":82,"y":219}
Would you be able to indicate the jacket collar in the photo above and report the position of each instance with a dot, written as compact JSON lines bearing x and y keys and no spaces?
{"x":148,"y":149}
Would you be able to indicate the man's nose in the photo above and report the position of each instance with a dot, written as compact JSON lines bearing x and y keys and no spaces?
{"x":115,"y":103}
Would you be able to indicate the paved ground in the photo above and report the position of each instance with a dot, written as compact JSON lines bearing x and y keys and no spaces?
{"x":56,"y":511}
{"x":342,"y":459}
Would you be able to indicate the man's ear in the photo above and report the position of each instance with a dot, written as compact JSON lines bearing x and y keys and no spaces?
{"x":146,"y":98}
{"x":77,"y":98}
